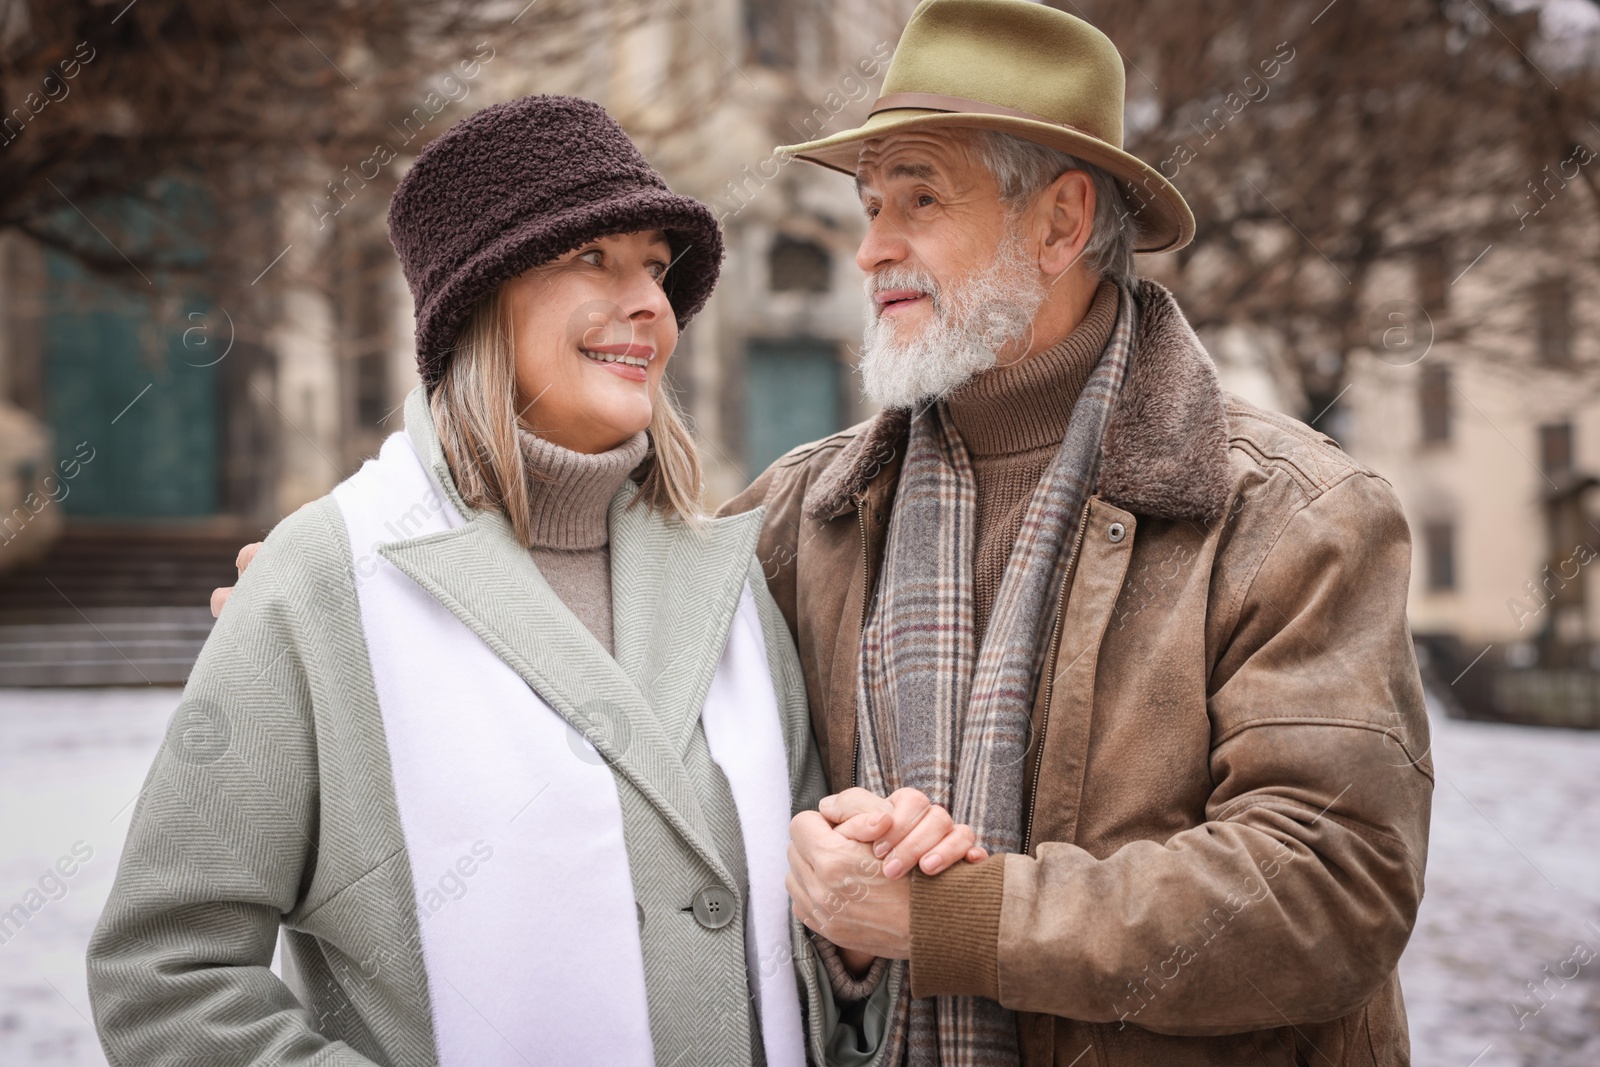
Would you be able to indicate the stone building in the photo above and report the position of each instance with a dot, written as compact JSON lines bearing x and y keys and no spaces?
{"x":185,"y":440}
{"x":1483,"y":415}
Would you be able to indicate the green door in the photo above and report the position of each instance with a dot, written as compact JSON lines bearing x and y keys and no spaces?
{"x":792,"y":395}
{"x":120,"y":379}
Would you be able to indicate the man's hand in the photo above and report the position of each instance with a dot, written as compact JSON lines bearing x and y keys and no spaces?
{"x":857,"y":841}
{"x":220,"y":596}
{"x":905,"y":830}
{"x":839,"y":890}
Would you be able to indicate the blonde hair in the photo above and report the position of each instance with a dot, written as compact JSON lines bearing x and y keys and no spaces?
{"x":474,"y":410}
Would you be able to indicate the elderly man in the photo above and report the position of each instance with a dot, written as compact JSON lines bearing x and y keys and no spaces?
{"x":1148,"y":640}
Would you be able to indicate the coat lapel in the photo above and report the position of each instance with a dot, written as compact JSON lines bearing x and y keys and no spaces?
{"x":487,"y":580}
{"x":675,"y":589}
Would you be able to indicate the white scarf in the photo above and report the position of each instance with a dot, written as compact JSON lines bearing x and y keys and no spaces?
{"x":512,"y":824}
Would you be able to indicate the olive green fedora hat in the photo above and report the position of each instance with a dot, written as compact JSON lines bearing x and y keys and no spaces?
{"x":1023,"y":69}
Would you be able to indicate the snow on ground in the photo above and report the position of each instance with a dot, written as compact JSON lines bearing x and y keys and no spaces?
{"x":71,"y":764}
{"x":1513,"y":881}
{"x":1513,"y":888}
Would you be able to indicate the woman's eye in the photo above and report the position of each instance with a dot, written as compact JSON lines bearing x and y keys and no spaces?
{"x":658,"y":270}
{"x":595,"y":252}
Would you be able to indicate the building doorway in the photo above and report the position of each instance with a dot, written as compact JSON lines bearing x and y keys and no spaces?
{"x":138,"y":383}
{"x":792,"y":395}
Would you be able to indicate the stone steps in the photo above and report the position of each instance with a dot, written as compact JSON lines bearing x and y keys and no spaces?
{"x":127,"y":566}
{"x":115,"y":605}
{"x":101,"y":646}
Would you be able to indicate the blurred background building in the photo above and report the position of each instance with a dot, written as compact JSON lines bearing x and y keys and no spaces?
{"x":202,"y":326}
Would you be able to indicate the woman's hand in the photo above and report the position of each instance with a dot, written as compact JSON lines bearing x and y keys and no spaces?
{"x":905,"y":830}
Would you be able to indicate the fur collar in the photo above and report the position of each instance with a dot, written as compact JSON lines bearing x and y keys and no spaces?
{"x":1165,"y":452}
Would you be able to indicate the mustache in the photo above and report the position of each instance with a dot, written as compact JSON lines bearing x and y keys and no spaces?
{"x":903,"y":277}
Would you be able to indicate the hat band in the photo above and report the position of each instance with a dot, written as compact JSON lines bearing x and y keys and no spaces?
{"x":940,"y":102}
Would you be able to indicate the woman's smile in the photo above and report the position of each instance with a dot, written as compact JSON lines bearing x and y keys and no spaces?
{"x":630,"y":361}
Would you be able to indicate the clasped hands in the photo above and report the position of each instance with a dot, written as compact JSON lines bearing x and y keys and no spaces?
{"x":849,"y":863}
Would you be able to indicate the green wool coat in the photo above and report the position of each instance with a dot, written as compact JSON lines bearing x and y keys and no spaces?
{"x":270,"y":804}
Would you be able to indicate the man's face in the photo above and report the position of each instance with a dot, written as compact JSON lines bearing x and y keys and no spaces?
{"x":932,"y":205}
{"x":951,"y":279}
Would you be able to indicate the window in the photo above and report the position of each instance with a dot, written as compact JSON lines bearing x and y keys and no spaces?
{"x":1433,"y":394}
{"x":792,"y":395}
{"x":769,"y":27}
{"x":1439,"y":541}
{"x":1553,"y":321}
{"x":1433,"y":287}
{"x":365,"y":311}
{"x":1555,"y":448}
{"x":797,"y":266}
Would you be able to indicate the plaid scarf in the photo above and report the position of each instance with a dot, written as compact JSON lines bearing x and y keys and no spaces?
{"x":952,"y":720}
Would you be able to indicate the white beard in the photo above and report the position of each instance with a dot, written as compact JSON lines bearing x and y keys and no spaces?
{"x":973,"y":319}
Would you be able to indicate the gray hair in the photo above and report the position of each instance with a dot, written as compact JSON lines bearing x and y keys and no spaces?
{"x":1022,"y":169}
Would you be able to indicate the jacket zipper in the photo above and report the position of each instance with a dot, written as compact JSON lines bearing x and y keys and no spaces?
{"x":1050,"y":678}
{"x":866,"y":593}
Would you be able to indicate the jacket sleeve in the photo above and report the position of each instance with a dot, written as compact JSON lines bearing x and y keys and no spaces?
{"x":778,"y":489}
{"x":221,"y":842}
{"x":1294,"y":899}
{"x":751,"y":496}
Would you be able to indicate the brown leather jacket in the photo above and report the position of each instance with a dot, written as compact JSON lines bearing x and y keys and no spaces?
{"x":1228,"y":774}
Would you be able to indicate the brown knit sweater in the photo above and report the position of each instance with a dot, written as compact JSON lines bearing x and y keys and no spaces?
{"x":1012,"y":420}
{"x":570,"y":499}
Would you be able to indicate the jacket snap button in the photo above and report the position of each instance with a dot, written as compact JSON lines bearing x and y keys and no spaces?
{"x":1116,"y":532}
{"x":713,"y":907}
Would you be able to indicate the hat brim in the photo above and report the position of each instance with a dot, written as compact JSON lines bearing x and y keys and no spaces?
{"x":1163,"y":219}
{"x":690,"y":227}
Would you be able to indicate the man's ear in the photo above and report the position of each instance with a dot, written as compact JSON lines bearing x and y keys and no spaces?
{"x":1068,"y":204}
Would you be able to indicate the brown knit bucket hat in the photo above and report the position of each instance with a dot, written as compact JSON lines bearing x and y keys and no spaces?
{"x":519,"y":184}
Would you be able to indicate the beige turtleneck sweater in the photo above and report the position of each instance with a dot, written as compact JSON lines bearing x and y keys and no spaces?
{"x":570,"y":497}
{"x":570,"y":500}
{"x":1012,"y":420}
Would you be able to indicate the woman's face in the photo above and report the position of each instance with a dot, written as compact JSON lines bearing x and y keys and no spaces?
{"x":593,"y":331}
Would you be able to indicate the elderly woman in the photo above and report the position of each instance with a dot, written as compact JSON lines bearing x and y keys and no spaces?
{"x":502,"y":734}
